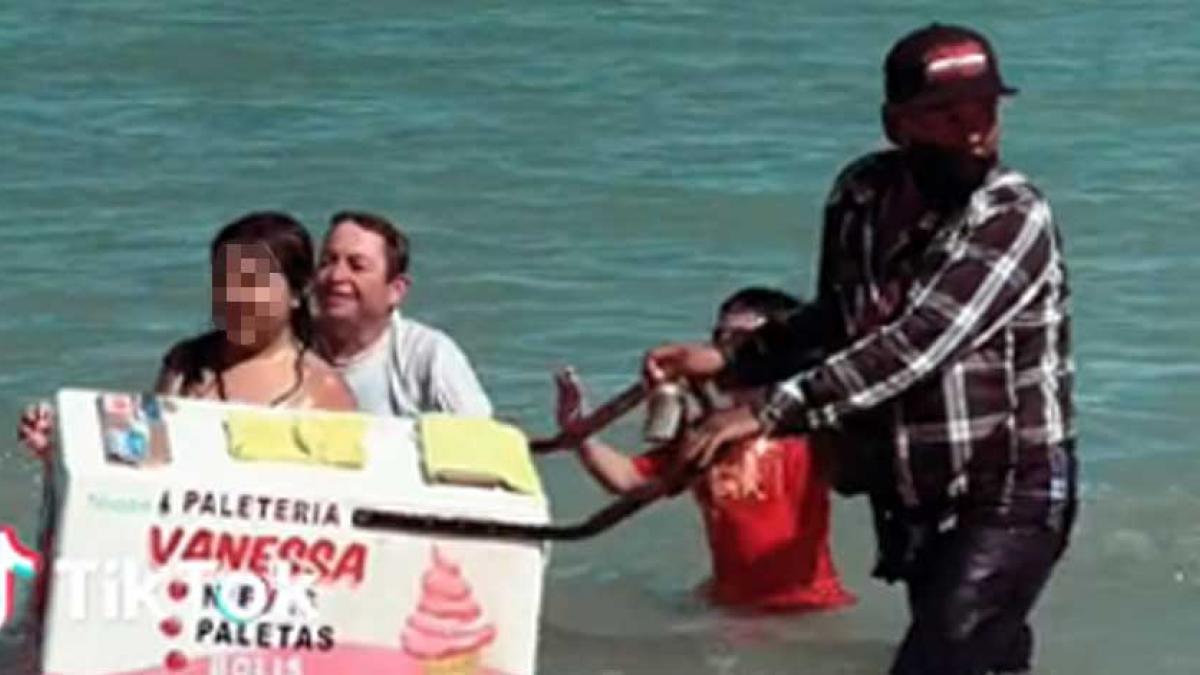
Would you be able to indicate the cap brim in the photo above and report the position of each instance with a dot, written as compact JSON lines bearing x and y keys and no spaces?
{"x":943,"y":95}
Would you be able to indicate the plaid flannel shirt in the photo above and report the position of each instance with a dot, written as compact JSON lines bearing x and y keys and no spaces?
{"x":955,"y":342}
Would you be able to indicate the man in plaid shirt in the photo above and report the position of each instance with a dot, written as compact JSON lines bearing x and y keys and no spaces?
{"x":942,"y":311}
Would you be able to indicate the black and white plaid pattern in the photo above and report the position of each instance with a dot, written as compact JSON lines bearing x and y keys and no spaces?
{"x":958,"y":337}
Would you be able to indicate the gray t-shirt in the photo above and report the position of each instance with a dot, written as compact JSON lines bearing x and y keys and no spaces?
{"x":367,"y":377}
{"x":414,"y":369}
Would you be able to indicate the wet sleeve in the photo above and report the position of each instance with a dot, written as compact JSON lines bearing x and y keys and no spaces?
{"x":963,"y":293}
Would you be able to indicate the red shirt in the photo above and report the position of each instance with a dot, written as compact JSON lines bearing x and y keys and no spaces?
{"x":766,"y":512}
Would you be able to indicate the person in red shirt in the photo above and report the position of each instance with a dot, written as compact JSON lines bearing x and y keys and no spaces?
{"x":765,"y":505}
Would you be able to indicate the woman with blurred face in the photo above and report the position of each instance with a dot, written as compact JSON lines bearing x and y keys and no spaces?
{"x":262,"y":267}
{"x":259,"y":353}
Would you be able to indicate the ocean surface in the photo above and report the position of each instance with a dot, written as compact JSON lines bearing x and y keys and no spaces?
{"x":583,"y":180}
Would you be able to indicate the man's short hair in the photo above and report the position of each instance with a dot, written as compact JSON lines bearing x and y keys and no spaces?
{"x":395,"y":244}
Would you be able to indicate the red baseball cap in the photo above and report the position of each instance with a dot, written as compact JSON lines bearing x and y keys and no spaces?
{"x":940,"y":63}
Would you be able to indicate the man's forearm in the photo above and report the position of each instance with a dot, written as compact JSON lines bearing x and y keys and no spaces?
{"x":1002,"y":263}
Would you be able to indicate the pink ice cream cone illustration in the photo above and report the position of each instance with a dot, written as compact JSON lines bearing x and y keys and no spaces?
{"x":447,"y":631}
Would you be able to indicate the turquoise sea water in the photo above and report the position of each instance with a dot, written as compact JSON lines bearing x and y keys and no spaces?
{"x":583,"y":180}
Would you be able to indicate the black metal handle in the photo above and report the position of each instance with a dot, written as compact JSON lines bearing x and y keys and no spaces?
{"x":600,"y":521}
{"x":602,"y":416}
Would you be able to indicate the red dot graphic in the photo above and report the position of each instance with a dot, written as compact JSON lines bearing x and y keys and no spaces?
{"x":171,"y":627}
{"x":176,"y":660}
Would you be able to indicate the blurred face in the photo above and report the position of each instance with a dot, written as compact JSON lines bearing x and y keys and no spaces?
{"x":968,"y":126}
{"x":949,"y":147}
{"x":251,"y":301}
{"x":352,"y":283}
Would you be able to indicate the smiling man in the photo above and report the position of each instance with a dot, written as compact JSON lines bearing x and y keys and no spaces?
{"x":394,"y":365}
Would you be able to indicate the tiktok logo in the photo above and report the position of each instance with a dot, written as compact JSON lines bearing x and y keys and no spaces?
{"x":15,"y":561}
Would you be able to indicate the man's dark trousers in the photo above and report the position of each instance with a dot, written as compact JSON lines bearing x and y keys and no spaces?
{"x":970,"y":592}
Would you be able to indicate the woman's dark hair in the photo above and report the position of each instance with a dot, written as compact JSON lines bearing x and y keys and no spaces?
{"x":291,"y":250}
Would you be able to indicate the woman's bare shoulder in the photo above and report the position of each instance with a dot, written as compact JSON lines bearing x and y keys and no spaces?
{"x":326,"y":388}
